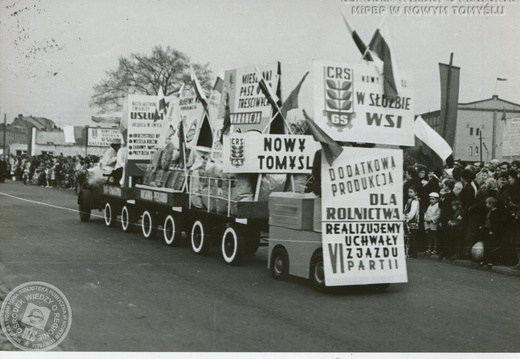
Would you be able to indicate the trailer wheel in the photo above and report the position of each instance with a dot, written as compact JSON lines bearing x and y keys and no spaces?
{"x":279,"y":265}
{"x":317,"y":272}
{"x":199,"y":239}
{"x":110,"y":215}
{"x":84,"y":209}
{"x":233,"y":245}
{"x":172,"y":231}
{"x":128,"y":219}
{"x":148,"y":225}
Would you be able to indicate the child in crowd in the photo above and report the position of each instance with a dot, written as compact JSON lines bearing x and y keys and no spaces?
{"x":412,"y":217}
{"x":455,"y":230}
{"x":490,"y":231}
{"x":48,"y":171}
{"x":431,"y":224}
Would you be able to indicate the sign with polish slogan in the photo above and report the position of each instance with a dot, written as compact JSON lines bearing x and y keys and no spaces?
{"x":349,"y":104}
{"x":249,"y":109}
{"x":362,"y":220}
{"x":98,"y":136}
{"x":144,"y":128}
{"x":253,"y":152}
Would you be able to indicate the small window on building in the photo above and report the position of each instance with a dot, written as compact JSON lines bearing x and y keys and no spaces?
{"x":476,"y":151}
{"x":478,"y":132}
{"x":470,"y":151}
{"x":471,"y":131}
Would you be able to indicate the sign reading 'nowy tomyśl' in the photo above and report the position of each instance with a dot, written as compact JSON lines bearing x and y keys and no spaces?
{"x":350,"y":105}
{"x":253,"y":152}
{"x":362,"y":225}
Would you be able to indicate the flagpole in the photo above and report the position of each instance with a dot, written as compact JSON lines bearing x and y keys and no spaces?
{"x":445,"y":125}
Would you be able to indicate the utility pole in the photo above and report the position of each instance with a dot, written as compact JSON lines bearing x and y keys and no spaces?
{"x":5,"y":132}
{"x":480,"y":145}
{"x":86,"y":140}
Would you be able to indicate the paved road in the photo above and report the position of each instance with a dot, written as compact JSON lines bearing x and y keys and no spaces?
{"x":132,"y":294}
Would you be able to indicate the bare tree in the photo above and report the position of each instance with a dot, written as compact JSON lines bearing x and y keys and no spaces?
{"x":143,"y":74}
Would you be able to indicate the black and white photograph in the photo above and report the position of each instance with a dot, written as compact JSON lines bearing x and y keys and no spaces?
{"x":251,"y":178}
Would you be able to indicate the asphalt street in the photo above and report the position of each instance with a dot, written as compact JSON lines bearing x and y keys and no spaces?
{"x":132,"y":294}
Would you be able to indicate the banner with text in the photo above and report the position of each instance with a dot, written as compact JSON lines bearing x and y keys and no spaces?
{"x":349,"y":104}
{"x":249,"y":108}
{"x":144,"y":128}
{"x":253,"y":152}
{"x":188,"y":110}
{"x":98,"y":136}
{"x":362,"y":223}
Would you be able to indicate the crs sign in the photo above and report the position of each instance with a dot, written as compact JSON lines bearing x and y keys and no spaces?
{"x":338,"y":95}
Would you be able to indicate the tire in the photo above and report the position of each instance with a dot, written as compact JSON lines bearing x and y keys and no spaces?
{"x":84,"y":209}
{"x":199,"y":239}
{"x":128,"y":219}
{"x":171,"y":231}
{"x":317,"y":272}
{"x":110,"y":215}
{"x":149,"y":225}
{"x":233,"y":245}
{"x":279,"y":265}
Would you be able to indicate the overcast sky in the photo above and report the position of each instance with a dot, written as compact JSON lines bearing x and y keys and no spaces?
{"x":53,"y":52}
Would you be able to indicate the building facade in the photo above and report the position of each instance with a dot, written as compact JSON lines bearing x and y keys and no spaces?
{"x":483,"y":130}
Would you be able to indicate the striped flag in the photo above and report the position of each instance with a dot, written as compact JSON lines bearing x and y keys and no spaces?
{"x":431,"y":138}
{"x":331,"y":149}
{"x":198,"y":88}
{"x":357,"y":40}
{"x":161,"y":106}
{"x":227,"y":120}
{"x":267,"y":90}
{"x":379,"y":46}
{"x":292,"y":101}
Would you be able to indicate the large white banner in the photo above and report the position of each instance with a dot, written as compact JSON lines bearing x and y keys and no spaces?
{"x":253,"y":152}
{"x":349,"y":104}
{"x":362,"y":223}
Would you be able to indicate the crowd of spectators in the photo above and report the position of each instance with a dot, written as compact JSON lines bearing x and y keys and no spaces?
{"x":49,"y":171}
{"x":447,"y":212}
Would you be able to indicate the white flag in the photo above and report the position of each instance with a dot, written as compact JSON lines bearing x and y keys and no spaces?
{"x":69,"y":134}
{"x":431,"y":138}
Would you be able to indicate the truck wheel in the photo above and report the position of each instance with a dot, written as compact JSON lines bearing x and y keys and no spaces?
{"x":233,"y":245}
{"x":84,"y":209}
{"x":279,"y":265}
{"x":110,"y":215}
{"x":199,"y":239}
{"x":128,"y":219}
{"x":317,"y":272}
{"x":148,"y":225}
{"x":172,"y":231}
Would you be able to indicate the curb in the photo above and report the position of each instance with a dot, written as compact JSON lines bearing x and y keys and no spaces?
{"x":507,"y":270}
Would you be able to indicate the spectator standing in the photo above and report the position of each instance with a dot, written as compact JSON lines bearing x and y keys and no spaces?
{"x":491,"y":229}
{"x":467,"y":199}
{"x":432,"y":216}
{"x":445,"y":204}
{"x":3,"y":168}
{"x":455,"y":230}
{"x":412,"y":219}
